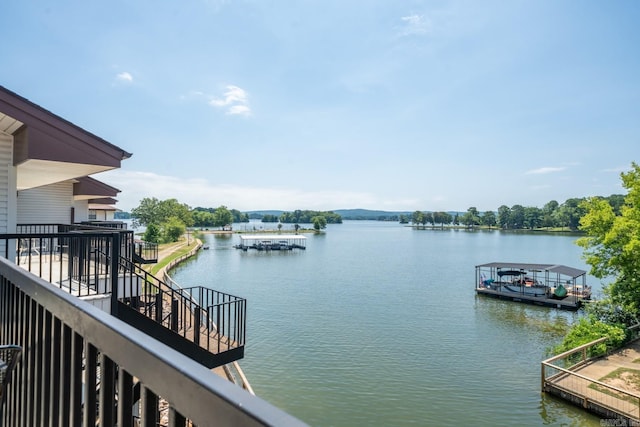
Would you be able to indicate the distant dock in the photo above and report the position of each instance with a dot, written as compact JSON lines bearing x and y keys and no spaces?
{"x":272,"y":242}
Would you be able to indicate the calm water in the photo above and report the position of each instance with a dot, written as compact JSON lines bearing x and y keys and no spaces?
{"x":377,"y":324}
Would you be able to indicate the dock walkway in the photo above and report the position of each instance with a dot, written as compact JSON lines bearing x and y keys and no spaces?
{"x":606,"y":386}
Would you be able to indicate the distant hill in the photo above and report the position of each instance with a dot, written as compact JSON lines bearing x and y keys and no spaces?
{"x":351,"y":214}
{"x":367,"y":214}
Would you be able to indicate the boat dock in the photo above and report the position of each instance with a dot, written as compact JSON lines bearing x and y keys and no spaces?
{"x":607,"y":386}
{"x":549,"y":285}
{"x":272,"y":242}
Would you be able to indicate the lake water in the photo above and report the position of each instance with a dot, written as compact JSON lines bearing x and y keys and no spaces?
{"x":378,"y":324}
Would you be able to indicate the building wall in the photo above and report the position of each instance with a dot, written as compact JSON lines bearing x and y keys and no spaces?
{"x":50,"y":204}
{"x":7,"y":185}
{"x":81,"y":210}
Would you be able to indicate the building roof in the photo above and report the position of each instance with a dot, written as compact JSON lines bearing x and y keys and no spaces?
{"x":50,"y":149}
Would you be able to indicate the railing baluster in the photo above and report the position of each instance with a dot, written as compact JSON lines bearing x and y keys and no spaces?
{"x":107,"y":391}
{"x":75,"y":381}
{"x":90,"y":385}
{"x":125,"y":398}
{"x":52,"y":391}
{"x":148,"y":408}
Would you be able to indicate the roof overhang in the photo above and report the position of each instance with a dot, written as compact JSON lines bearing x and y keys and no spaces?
{"x":105,"y":201}
{"x":99,"y":207}
{"x":48,"y":148}
{"x":87,"y":188}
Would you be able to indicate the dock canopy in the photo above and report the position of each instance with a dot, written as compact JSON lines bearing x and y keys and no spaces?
{"x":272,"y":241}
{"x":551,"y":268}
{"x":551,"y":285}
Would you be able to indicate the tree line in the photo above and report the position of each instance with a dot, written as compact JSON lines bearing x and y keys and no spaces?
{"x":552,"y":215}
{"x":167,"y":220}
{"x":303,"y":217}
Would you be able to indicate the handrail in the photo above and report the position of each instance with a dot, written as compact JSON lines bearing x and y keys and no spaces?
{"x":125,"y":355}
{"x":575,"y":350}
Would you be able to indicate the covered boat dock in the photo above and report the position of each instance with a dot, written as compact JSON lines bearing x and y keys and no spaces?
{"x":272,"y":242}
{"x":550,"y":285}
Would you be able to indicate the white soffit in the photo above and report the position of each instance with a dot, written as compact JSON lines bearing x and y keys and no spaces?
{"x":36,"y":173}
{"x":8,"y":124}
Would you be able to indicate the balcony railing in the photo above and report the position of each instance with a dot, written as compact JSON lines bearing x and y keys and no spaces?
{"x":205,"y":324}
{"x":136,"y":250}
{"x":84,"y":367}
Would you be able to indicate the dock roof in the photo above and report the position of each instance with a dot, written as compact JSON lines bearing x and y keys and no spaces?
{"x":272,"y":237}
{"x":553,"y":268}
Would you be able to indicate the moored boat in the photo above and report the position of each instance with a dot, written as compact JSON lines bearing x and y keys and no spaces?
{"x":553,"y":285}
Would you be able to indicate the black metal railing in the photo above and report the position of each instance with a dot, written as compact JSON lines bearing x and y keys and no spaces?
{"x":84,"y":367}
{"x":68,"y":259}
{"x":145,"y":252}
{"x":81,"y":263}
{"x":137,"y":250}
{"x":127,"y":238}
{"x":214,"y":320}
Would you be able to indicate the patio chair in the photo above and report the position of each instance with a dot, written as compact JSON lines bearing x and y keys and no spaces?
{"x":9,"y":357}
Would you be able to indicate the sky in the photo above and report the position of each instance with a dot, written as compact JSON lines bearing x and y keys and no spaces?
{"x":333,"y":104}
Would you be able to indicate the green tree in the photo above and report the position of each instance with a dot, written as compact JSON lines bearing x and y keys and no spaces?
{"x":516,"y":219}
{"x":222,"y":216}
{"x":470,"y":218}
{"x":616,"y":201}
{"x":417,"y":218}
{"x":532,"y":217}
{"x":488,"y":218}
{"x":612,"y":244}
{"x":146,"y":213}
{"x":152,"y":233}
{"x":442,"y":218}
{"x":569,"y":213}
{"x":548,"y":212}
{"x":429,"y":219}
{"x":172,"y":229}
{"x":152,"y":210}
{"x":589,"y":329}
{"x":319,"y":222}
{"x":202,"y":218}
{"x":504,"y":217}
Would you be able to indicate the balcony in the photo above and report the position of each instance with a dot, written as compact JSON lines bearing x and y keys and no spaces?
{"x":82,"y":366}
{"x":96,"y":266}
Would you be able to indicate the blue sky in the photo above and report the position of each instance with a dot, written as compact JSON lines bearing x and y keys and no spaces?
{"x":393,"y":105}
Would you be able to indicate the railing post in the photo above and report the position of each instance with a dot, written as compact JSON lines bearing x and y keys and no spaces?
{"x":196,"y":325}
{"x":115,"y":268}
{"x":159,"y":307}
{"x":174,"y":315}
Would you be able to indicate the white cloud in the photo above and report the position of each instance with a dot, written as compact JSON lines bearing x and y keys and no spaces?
{"x":239,"y":109}
{"x":136,"y":185}
{"x":415,"y":24}
{"x":235,"y":99}
{"x":124,"y":77}
{"x":618,"y":169}
{"x":544,"y":170}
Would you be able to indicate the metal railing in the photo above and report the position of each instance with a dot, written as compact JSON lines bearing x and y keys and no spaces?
{"x":214,"y":320}
{"x":81,"y":263}
{"x":140,"y":251}
{"x":84,"y":367}
{"x":561,"y":375}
